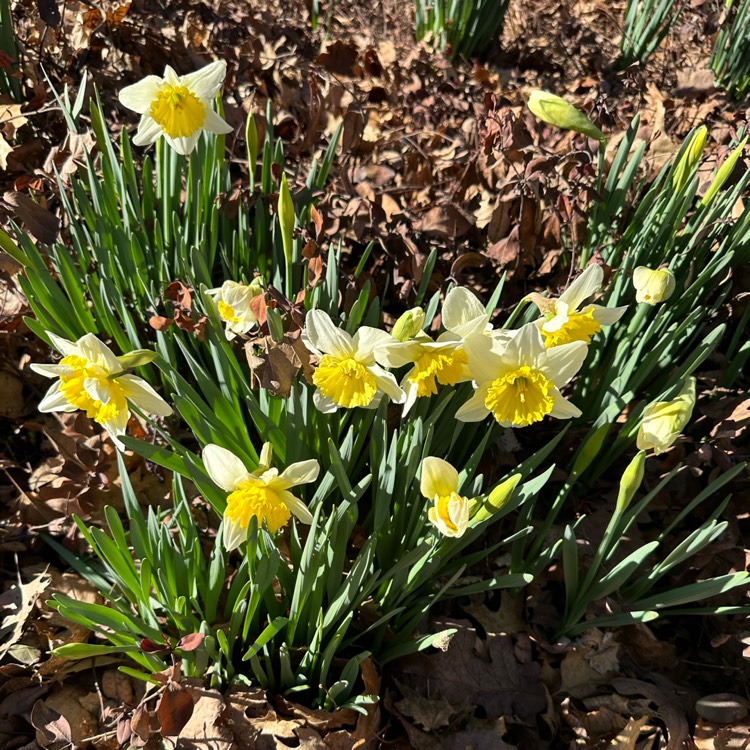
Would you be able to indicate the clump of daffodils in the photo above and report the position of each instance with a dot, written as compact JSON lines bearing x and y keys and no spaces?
{"x":91,"y":378}
{"x":567,"y":318}
{"x":653,"y":287}
{"x":350,"y":371}
{"x":442,"y":361}
{"x":519,"y":382}
{"x":450,"y":510}
{"x":262,"y":494}
{"x":663,"y":421}
{"x":233,"y":303}
{"x":177,"y":107}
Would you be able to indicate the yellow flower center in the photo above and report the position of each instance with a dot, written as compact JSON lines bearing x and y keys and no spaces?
{"x":445,"y":367}
{"x":520,"y":397}
{"x":72,"y":386}
{"x":345,"y":381}
{"x":178,"y":111}
{"x":443,"y":511}
{"x":227,"y":312}
{"x":257,"y":500}
{"x":580,"y":326}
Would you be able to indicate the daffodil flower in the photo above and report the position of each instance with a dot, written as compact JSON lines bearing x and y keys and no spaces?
{"x":348,"y":373}
{"x":450,"y":510}
{"x":233,"y":302}
{"x":519,"y":381}
{"x":653,"y":287}
{"x":177,"y":107}
{"x":663,"y":421}
{"x":262,"y":494}
{"x":443,"y":361}
{"x":566,"y":319}
{"x":91,"y":378}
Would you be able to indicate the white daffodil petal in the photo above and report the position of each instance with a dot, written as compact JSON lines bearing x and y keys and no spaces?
{"x":98,"y":353}
{"x":143,"y":396}
{"x":65,"y":347}
{"x":325,"y":336}
{"x":474,"y":410}
{"x":460,"y":306}
{"x":117,"y":426}
{"x":324,"y":404}
{"x":525,"y":348}
{"x":386,"y":383}
{"x":608,"y":316}
{"x":206,"y":82}
{"x":562,"y":408}
{"x":439,"y":478}
{"x":215,"y":124}
{"x":300,"y":511}
{"x":411,"y":389}
{"x":50,"y":371}
{"x":302,"y":472}
{"x":564,"y":361}
{"x":148,"y":131}
{"x":266,"y":456}
{"x":224,"y":468}
{"x":139,"y":96}
{"x":586,"y":285}
{"x":233,"y":534}
{"x":366,"y":340}
{"x":398,"y":353}
{"x":55,"y":401}
{"x":184,"y":146}
{"x":484,"y":363}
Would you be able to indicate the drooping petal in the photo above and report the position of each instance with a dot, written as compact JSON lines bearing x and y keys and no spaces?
{"x":564,"y":361}
{"x":460,"y":307}
{"x":62,"y":345}
{"x":139,"y":96}
{"x":206,"y":82}
{"x":475,"y":409}
{"x":398,"y":353}
{"x":184,"y":145}
{"x":215,"y":124}
{"x":586,"y":285}
{"x":325,"y":336}
{"x":411,"y":389}
{"x":143,"y":396}
{"x":55,"y":401}
{"x":50,"y":371}
{"x":233,"y":534}
{"x":98,"y":353}
{"x":439,"y":478}
{"x":148,"y":131}
{"x":608,"y":316}
{"x":562,"y":408}
{"x":117,"y":426}
{"x":386,"y":383}
{"x":302,"y":472}
{"x":366,"y":340}
{"x":324,"y":404}
{"x":299,"y":510}
{"x":224,"y":468}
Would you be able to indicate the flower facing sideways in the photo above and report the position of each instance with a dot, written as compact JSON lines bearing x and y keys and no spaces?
{"x":92,"y":378}
{"x":519,"y":382}
{"x":262,"y":494}
{"x":450,"y":510}
{"x":653,"y":287}
{"x":566,"y":319}
{"x":443,"y":361}
{"x":663,"y":421}
{"x":177,"y":107}
{"x":233,"y":302}
{"x":348,"y":373}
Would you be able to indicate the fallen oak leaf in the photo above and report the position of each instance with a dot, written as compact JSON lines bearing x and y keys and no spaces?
{"x":174,"y":709}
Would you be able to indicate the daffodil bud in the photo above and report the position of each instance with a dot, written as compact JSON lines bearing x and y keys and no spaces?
{"x":136,"y":358}
{"x":286,"y":218}
{"x":556,"y":111}
{"x":631,"y":481}
{"x":724,"y":171}
{"x":497,"y":499}
{"x":690,"y":156}
{"x":663,"y":421}
{"x":251,"y":141}
{"x":653,"y":287}
{"x":590,"y":450}
{"x":409,"y":324}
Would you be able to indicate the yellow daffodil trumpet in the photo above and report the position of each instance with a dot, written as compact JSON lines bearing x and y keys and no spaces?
{"x":663,"y":421}
{"x":450,"y":510}
{"x":653,"y":287}
{"x":233,"y":303}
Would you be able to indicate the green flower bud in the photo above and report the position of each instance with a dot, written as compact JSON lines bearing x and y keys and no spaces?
{"x":589,"y":451}
{"x":286,"y":218}
{"x":409,"y":324}
{"x":724,"y":171}
{"x":136,"y":358}
{"x":631,"y":481}
{"x":556,"y":111}
{"x":690,"y":155}
{"x":497,"y":499}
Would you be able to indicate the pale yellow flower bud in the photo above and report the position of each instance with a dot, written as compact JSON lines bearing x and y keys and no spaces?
{"x":497,"y":499}
{"x":631,"y":481}
{"x":556,"y":111}
{"x":723,"y":172}
{"x":689,"y":158}
{"x":408,"y":325}
{"x":663,"y":421}
{"x":653,"y":287}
